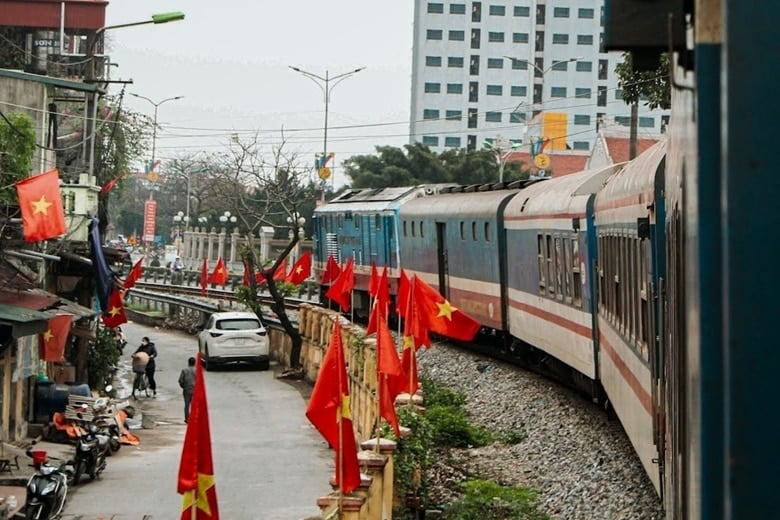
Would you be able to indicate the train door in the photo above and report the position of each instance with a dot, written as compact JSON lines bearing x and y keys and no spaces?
{"x":441,"y":258}
{"x":389,"y":242}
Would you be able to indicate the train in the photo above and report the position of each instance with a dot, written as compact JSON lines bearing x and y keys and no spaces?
{"x":651,"y":283}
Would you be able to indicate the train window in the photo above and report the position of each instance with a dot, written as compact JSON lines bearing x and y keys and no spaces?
{"x":644,"y":327}
{"x":576,"y":274}
{"x":474,"y":231}
{"x":567,"y":269}
{"x":550,"y":265}
{"x":378,"y":222}
{"x":356,"y":220}
{"x":422,"y":235}
{"x":540,"y":257}
{"x":405,"y":234}
{"x":414,"y":228}
{"x":462,"y":230}
{"x":487,"y":231}
{"x":558,"y":268}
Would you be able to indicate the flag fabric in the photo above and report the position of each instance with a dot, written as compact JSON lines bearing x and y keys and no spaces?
{"x":389,"y":373}
{"x":245,"y":280}
{"x":410,"y":382}
{"x":104,"y":276}
{"x":332,"y":270}
{"x":204,"y":276}
{"x":440,"y":316}
{"x":220,"y":274}
{"x":329,"y":411}
{"x":196,"y":481}
{"x":107,"y":187}
{"x":373,"y":281}
{"x":134,"y":275}
{"x":415,"y":335}
{"x":301,"y":270}
{"x":40,"y":202}
{"x":52,"y":344}
{"x":381,"y":302}
{"x":403,"y":294}
{"x":341,"y":290}
{"x":281,"y":272}
{"x":415,"y":327}
{"x":114,"y":315}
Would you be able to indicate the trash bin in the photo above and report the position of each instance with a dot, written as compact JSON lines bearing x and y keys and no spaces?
{"x":38,"y":456}
{"x":148,"y":421}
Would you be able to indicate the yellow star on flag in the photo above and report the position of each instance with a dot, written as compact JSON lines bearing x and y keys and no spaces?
{"x":48,"y":335}
{"x":344,"y":411}
{"x":445,"y":309}
{"x":204,"y":483}
{"x":220,"y":271}
{"x":115,"y":311}
{"x":408,"y":342}
{"x":298,"y":270}
{"x":41,"y":205}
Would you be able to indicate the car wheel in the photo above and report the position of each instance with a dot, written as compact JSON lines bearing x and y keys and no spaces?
{"x":207,"y":364}
{"x":264,"y":365}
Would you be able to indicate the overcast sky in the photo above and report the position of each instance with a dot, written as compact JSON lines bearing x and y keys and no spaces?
{"x":230,"y":58}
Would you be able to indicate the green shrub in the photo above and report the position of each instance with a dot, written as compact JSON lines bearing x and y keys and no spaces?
{"x":453,"y":429}
{"x":104,"y":353}
{"x":487,"y":499}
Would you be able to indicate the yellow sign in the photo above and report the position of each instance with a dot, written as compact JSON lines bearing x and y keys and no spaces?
{"x":324,"y":173}
{"x":542,"y":161}
{"x":153,"y":176}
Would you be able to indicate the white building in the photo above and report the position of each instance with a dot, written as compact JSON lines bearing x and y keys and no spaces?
{"x":482,"y":70}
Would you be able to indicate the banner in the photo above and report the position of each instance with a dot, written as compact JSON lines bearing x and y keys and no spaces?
{"x":150,"y":220}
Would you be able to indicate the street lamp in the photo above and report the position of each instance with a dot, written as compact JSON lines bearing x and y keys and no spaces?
{"x":542,"y":71}
{"x":502,"y":152}
{"x":179,"y":220}
{"x":298,"y":221}
{"x":325,"y":85}
{"x":227,"y":217}
{"x":154,"y":129}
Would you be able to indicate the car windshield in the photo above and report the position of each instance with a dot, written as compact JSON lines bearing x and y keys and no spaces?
{"x":238,"y":324}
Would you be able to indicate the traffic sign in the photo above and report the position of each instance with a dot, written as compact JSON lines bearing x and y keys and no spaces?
{"x":324,"y":173}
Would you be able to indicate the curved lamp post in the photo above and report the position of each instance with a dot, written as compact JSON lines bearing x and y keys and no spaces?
{"x":502,"y":152}
{"x":154,"y":125}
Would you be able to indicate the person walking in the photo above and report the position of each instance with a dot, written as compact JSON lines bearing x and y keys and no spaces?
{"x":148,"y":348}
{"x":187,"y":384}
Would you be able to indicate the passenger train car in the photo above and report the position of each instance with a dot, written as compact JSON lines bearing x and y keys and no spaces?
{"x":653,"y":282}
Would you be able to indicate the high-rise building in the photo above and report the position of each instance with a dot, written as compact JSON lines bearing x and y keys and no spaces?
{"x":500,"y":69}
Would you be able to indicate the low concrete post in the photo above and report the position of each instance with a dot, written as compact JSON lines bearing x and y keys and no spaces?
{"x":387,"y":448}
{"x":349,"y":505}
{"x":374,"y":464}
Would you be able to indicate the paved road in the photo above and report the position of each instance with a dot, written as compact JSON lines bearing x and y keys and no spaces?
{"x":270,"y":464}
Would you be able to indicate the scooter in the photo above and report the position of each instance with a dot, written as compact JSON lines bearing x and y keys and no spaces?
{"x":91,"y":450}
{"x":47,"y":491}
{"x":105,"y":420}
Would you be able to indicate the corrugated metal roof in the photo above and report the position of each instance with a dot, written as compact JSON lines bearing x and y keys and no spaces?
{"x":48,"y":80}
{"x":23,"y":322}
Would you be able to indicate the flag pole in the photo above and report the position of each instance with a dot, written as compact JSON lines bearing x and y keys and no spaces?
{"x":340,"y":455}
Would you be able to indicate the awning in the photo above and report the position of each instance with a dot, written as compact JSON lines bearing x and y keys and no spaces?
{"x":40,"y":300}
{"x":68,"y":305}
{"x":22,"y":321}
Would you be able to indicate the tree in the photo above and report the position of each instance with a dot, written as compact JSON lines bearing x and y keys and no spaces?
{"x":17,"y":146}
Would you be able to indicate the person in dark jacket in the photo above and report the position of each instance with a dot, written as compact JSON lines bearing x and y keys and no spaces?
{"x":148,"y":348}
{"x":187,"y":384}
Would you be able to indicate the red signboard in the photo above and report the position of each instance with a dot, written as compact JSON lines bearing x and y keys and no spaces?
{"x":150,"y":218}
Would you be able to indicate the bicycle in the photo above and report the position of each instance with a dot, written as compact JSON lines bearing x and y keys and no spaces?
{"x":141,"y":384}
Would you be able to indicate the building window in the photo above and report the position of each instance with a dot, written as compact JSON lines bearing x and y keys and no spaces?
{"x":496,"y":37}
{"x":453,"y":115}
{"x":517,"y":117}
{"x":561,"y":12}
{"x":435,"y":8}
{"x":454,"y":88}
{"x":493,"y":117}
{"x":497,"y":10}
{"x":561,"y":65}
{"x":452,"y":142}
{"x":584,"y":66}
{"x":471,"y":143}
{"x":619,"y":93}
{"x":539,"y":47}
{"x":430,"y":113}
{"x":473,"y":117}
{"x":433,"y":61}
{"x":585,"y":12}
{"x":457,"y":8}
{"x":432,"y":88}
{"x":455,"y":62}
{"x":603,"y":69}
{"x":519,"y":38}
{"x":581,"y":145}
{"x":646,"y":122}
{"x":519,"y":64}
{"x":664,"y":123}
{"x":494,"y":90}
{"x":522,"y":10}
{"x":623,"y":120}
{"x":474,"y":65}
{"x":476,"y":12}
{"x":602,"y":96}
{"x":457,"y":36}
{"x":519,"y":91}
{"x":476,"y":36}
{"x":433,"y":34}
{"x":473,"y":91}
{"x":560,"y":39}
{"x":495,"y":63}
{"x":584,"y":39}
{"x":430,"y":140}
{"x":580,"y":119}
{"x":582,"y":93}
{"x":540,"y":14}
{"x":558,"y":92}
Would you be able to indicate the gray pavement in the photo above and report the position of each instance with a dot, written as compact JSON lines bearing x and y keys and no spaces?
{"x":270,"y":464}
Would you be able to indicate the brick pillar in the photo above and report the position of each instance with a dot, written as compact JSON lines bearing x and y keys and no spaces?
{"x":349,"y":505}
{"x":374,"y":465}
{"x":387,"y":448}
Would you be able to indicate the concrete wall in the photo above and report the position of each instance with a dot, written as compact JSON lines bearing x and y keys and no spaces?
{"x":29,"y":98}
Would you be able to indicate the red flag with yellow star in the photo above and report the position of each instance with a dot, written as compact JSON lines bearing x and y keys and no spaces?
{"x":52,"y":346}
{"x":440,"y":316}
{"x":114,"y":315}
{"x":332,"y":271}
{"x":43,"y":216}
{"x":330,"y":413}
{"x":220,"y":274}
{"x":301,"y":270}
{"x":389,"y":373}
{"x":196,"y":468}
{"x":135,"y":274}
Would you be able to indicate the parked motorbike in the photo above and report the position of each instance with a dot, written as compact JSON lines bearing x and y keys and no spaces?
{"x":91,"y":451}
{"x":47,"y":490}
{"x":106,"y":422}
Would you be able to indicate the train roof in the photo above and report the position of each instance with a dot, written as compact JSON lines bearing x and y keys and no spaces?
{"x":561,"y":195}
{"x":377,"y":199}
{"x":458,"y":204}
{"x":637,"y":178}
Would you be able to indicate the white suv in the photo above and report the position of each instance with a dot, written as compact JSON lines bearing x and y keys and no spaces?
{"x":233,"y":337}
